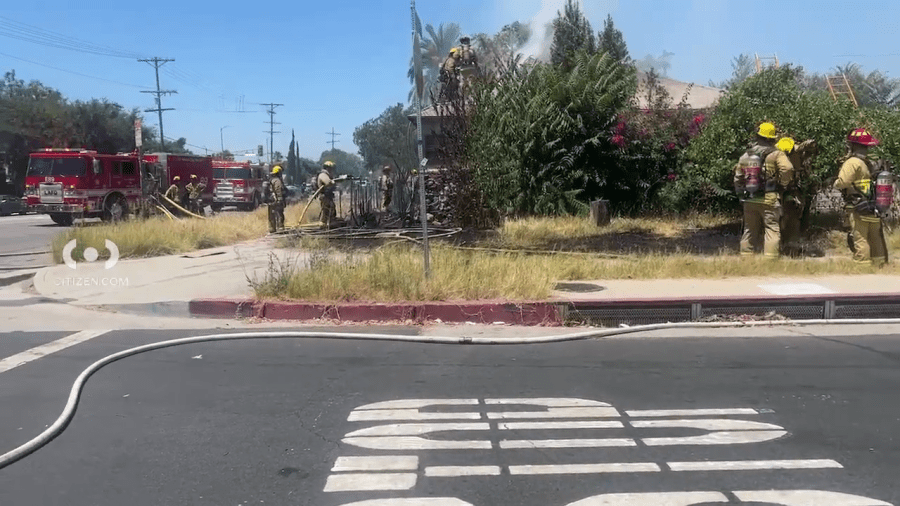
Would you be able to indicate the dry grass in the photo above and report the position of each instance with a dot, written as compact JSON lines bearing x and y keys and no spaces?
{"x":161,"y":236}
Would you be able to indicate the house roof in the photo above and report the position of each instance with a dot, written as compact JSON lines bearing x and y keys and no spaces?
{"x":700,"y":97}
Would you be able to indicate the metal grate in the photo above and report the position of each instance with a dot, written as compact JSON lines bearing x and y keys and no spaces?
{"x":794,"y":312}
{"x":613,"y":317}
{"x":867,"y":311}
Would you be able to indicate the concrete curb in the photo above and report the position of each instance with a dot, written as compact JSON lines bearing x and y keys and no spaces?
{"x":525,"y":313}
{"x":11,"y":280}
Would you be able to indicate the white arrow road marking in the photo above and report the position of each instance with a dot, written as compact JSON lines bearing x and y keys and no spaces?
{"x":807,"y":498}
{"x":384,"y":415}
{"x":557,"y":413}
{"x":659,"y":413}
{"x":724,"y":432}
{"x":566,"y":443}
{"x":653,"y":499}
{"x":423,"y":501}
{"x":387,"y":463}
{"x":456,"y":471}
{"x":548,"y":402}
{"x":43,"y":350}
{"x":635,"y":467}
{"x":559,"y":425}
{"x":370,"y":482}
{"x":750,"y":465}
{"x":418,"y":403}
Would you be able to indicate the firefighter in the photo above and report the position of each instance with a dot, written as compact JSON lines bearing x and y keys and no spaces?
{"x":793,"y":199}
{"x":325,"y":184}
{"x":175,"y":191}
{"x":760,"y":177}
{"x":857,"y":187}
{"x":387,"y":187}
{"x":275,"y":200}
{"x":193,"y":191}
{"x":449,"y":76}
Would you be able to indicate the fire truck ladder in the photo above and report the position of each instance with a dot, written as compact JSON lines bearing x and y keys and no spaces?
{"x":839,"y":86}
{"x":759,"y":62}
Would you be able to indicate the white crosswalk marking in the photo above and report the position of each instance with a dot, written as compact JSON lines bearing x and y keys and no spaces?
{"x":806,"y":498}
{"x":455,"y":471}
{"x":723,"y":432}
{"x":632,"y":467}
{"x":566,"y":443}
{"x":43,"y":350}
{"x":392,"y":463}
{"x":659,"y":413}
{"x":653,"y":499}
{"x":370,"y":482}
{"x":750,"y":465}
{"x":559,"y":425}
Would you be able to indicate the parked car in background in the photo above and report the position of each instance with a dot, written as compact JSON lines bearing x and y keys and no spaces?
{"x":293,"y":193}
{"x":10,"y":204}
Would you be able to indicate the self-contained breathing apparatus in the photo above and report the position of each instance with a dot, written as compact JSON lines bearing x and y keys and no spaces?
{"x":869,"y":199}
{"x":751,"y":174}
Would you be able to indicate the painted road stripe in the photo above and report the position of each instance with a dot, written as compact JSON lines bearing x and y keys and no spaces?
{"x":415,"y":501}
{"x":413,"y":443}
{"x":559,"y":425}
{"x":419,"y":403}
{"x":558,"y":413}
{"x":654,"y":499}
{"x":751,"y":465}
{"x":659,"y":413}
{"x":382,"y":415}
{"x":638,"y":467}
{"x":370,"y":482}
{"x":46,"y":349}
{"x":548,"y":402}
{"x":416,"y":429}
{"x":806,"y":497}
{"x":566,"y":443}
{"x":722,"y":432}
{"x":388,"y":463}
{"x":456,"y":471}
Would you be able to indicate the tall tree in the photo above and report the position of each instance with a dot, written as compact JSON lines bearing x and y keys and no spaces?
{"x":612,"y":42}
{"x":742,"y":67}
{"x":387,"y":139}
{"x":292,"y":168}
{"x":571,"y":32}
{"x":344,"y":162}
{"x":433,"y":50}
{"x":497,"y":51}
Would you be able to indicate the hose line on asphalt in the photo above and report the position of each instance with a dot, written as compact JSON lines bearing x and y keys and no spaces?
{"x":69,"y":411}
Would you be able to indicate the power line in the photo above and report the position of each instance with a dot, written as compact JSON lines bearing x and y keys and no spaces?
{"x":158,"y":62}
{"x":271,"y":131}
{"x":71,"y":72}
{"x":332,"y":141}
{"x":21,"y":31}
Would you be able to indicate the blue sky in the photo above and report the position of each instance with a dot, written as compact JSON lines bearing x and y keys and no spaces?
{"x":336,"y":64}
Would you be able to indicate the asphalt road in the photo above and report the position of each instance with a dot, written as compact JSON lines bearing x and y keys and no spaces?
{"x":292,"y":422}
{"x":25,"y":234}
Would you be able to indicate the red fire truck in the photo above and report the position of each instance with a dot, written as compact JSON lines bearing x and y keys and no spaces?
{"x":237,"y":184}
{"x":69,"y":184}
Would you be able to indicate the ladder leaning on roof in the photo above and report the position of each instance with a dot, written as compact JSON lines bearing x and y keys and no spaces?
{"x":759,"y":63}
{"x":840,"y":86}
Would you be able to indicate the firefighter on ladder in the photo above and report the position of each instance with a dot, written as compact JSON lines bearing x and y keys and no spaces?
{"x":760,"y":177}
{"x":449,"y":76}
{"x":865,"y":200}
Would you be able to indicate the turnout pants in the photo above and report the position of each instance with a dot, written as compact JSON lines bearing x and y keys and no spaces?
{"x":329,"y":212}
{"x":868,"y":239}
{"x":276,"y":216}
{"x":762,"y":229}
{"x":792,"y":212}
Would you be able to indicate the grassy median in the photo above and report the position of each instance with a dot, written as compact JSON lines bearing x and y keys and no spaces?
{"x":161,"y":236}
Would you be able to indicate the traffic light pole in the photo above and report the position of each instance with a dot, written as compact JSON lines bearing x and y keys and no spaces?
{"x":420,"y":142}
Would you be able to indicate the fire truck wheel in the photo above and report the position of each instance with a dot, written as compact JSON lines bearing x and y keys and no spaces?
{"x":115,"y":209}
{"x":64,"y":220}
{"x":216,"y":208}
{"x":256,"y":202}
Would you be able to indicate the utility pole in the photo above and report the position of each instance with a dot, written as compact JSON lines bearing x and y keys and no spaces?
{"x":157,"y":63}
{"x":271,"y":130}
{"x":332,"y":141}
{"x":426,"y":250}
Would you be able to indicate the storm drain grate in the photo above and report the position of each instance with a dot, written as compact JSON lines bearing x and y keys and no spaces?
{"x":867,"y":311}
{"x":793,"y":312}
{"x":613,"y":317}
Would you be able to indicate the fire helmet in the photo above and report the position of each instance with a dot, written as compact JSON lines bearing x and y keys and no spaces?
{"x":767,"y":130}
{"x":862,"y":137}
{"x":785,"y":144}
{"x":328,"y":165}
{"x":276,"y":169}
{"x":176,"y":178}
{"x":193,"y":176}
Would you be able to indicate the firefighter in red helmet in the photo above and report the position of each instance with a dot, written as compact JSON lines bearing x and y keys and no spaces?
{"x":855,"y":181}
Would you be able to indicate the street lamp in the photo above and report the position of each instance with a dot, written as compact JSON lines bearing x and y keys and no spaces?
{"x":222,"y":139}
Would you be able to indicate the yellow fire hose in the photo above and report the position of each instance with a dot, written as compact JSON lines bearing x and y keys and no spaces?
{"x":182,"y":209}
{"x":166,"y":212}
{"x":303,"y":214}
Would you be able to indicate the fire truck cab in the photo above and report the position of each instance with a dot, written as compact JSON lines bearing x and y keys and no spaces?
{"x":76,"y":183}
{"x":237,"y":184}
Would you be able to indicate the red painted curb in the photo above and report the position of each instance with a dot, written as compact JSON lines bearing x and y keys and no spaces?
{"x":532,"y":313}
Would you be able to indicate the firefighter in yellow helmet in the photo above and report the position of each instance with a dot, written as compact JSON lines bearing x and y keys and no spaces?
{"x":857,"y":187}
{"x":275,"y":200}
{"x":174,"y":191}
{"x":793,"y":198}
{"x":325,"y":184}
{"x":760,"y":177}
{"x":194,"y":191}
{"x":449,"y":76}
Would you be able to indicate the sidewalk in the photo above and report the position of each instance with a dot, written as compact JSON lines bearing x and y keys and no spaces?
{"x":214,"y":283}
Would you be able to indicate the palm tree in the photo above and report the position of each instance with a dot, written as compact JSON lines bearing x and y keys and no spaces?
{"x":434,"y":50}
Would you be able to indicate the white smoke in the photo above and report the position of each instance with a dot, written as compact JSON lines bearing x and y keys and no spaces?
{"x":538,"y":46}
